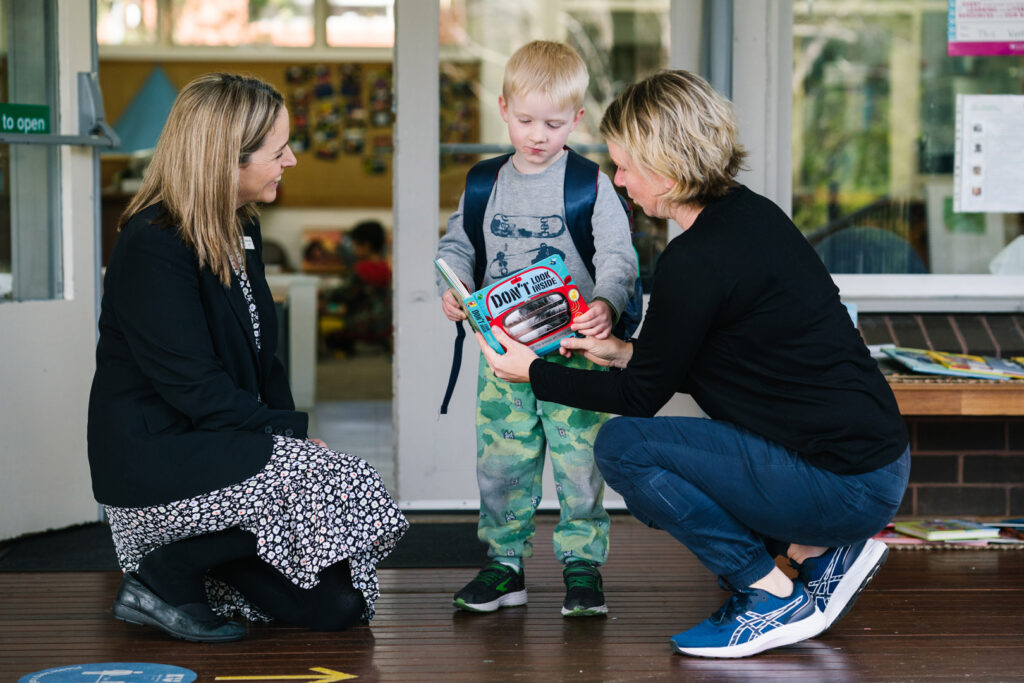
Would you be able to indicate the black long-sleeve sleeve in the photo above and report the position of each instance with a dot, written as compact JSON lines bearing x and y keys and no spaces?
{"x":745,"y":318}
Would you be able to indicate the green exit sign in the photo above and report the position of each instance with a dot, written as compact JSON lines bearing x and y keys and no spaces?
{"x":31,"y":119}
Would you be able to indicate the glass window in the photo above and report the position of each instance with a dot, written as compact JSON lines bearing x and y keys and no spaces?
{"x":243,"y":22}
{"x":30,"y":246}
{"x":282,"y":23}
{"x":621,"y":42}
{"x":361,"y":23}
{"x":874,"y":114}
{"x":126,"y":22}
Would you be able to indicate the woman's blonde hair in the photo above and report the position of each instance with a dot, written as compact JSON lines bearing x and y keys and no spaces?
{"x":547,"y":67}
{"x":674,"y":124}
{"x":216,"y":123}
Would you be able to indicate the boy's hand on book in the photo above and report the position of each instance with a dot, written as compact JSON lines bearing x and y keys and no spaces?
{"x":514,"y":364}
{"x":451,"y":307}
{"x":597,"y":322}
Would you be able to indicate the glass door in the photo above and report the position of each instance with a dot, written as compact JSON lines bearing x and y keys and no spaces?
{"x":49,"y":133}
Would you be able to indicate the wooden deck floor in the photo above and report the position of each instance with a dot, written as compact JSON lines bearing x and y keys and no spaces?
{"x":929,"y":615}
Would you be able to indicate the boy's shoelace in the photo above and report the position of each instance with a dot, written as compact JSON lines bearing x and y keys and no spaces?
{"x":581,"y":579}
{"x":492,"y":573}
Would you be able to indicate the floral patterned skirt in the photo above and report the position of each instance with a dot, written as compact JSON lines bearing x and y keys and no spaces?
{"x":309,"y":507}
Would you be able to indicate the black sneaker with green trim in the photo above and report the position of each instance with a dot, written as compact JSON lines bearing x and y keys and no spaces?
{"x":584,"y":593}
{"x":496,"y":585}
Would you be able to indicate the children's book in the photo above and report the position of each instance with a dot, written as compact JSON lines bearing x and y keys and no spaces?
{"x":922,"y":360}
{"x":890,"y":535}
{"x":946,"y":530}
{"x":462,"y":294}
{"x":986,"y":365}
{"x":1012,"y":528}
{"x":535,"y":305}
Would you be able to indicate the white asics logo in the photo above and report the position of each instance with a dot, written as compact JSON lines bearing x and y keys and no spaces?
{"x":826,"y":584}
{"x":754,"y":624}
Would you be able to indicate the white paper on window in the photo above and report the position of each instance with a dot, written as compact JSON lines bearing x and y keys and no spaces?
{"x":989,"y":165}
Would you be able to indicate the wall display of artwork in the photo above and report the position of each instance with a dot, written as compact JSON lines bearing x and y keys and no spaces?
{"x":342,"y":119}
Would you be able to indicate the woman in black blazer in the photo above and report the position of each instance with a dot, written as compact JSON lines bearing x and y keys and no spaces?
{"x":219,"y":504}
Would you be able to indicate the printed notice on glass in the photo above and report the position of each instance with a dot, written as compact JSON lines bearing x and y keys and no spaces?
{"x":988,"y":171}
{"x":985,"y":27}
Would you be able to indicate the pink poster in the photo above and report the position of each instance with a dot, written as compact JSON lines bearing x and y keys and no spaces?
{"x":985,"y":27}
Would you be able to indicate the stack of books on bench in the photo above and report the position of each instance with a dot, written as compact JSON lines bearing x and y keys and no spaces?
{"x":954,"y":533}
{"x":957,"y":364}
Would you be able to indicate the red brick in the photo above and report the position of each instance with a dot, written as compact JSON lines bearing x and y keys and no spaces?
{"x":932,"y":469}
{"x":961,"y":500}
{"x":961,"y":435}
{"x":993,"y":469}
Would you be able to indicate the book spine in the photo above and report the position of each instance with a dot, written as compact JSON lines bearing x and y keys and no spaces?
{"x":551,"y":344}
{"x":481,"y":323}
{"x":491,"y":341}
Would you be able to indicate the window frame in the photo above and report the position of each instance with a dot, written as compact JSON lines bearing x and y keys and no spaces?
{"x":762,"y":96}
{"x":166,"y":50}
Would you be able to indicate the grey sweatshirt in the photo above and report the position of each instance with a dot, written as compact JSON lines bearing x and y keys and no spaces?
{"x":524,"y":222}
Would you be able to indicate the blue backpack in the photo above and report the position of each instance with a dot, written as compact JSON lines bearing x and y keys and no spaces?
{"x":580,"y":191}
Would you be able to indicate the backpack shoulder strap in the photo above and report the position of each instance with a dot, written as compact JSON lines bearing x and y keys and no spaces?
{"x":581,"y":178}
{"x":479,"y":182}
{"x":580,"y":198}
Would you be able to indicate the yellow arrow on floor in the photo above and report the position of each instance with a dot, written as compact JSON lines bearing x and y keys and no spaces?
{"x":322,"y":675}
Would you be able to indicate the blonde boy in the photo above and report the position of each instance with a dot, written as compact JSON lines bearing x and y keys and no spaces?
{"x":524,"y":222}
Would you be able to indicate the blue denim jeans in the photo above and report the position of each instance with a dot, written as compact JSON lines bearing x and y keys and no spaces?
{"x":736,"y":499}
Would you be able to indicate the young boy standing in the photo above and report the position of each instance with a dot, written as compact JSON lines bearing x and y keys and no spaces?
{"x":524,"y":222}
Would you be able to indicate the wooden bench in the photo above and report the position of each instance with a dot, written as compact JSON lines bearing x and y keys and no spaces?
{"x":982,"y":333}
{"x":919,"y":395}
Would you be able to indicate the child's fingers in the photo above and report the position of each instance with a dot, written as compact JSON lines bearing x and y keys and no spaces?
{"x":586,"y":317}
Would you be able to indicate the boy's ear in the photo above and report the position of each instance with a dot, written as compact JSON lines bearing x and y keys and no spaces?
{"x":503,"y":108}
{"x":576,"y":119}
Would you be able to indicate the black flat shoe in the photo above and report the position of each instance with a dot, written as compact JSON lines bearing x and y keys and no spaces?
{"x":136,"y":604}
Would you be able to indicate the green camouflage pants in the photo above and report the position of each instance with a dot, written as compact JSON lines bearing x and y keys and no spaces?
{"x":513,"y":430}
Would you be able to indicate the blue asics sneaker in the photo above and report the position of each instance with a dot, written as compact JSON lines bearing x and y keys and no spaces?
{"x":753,"y":621}
{"x":836,"y":578}
{"x":496,"y":585}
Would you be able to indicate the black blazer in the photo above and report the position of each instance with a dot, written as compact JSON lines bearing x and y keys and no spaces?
{"x":181,"y":403}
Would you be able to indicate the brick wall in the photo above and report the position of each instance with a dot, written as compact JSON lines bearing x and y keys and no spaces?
{"x":965,"y":466}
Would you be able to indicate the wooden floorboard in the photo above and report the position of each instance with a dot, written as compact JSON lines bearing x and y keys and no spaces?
{"x":929,"y":615}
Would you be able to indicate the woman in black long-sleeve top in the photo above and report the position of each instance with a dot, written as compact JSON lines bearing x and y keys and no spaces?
{"x":805,"y":455}
{"x":218,"y":502}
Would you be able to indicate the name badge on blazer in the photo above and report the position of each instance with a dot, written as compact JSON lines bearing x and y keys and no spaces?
{"x":247,"y":242}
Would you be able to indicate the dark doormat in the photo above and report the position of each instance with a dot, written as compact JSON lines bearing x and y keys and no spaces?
{"x":81,"y":548}
{"x":88,"y":548}
{"x":430,"y":545}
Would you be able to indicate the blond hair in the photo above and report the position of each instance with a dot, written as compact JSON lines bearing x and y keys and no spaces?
{"x":674,"y":124}
{"x":216,"y":123}
{"x":547,"y":67}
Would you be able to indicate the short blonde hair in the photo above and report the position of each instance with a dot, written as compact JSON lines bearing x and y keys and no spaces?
{"x":551,"y":68}
{"x":674,"y":124}
{"x":217,"y":121}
